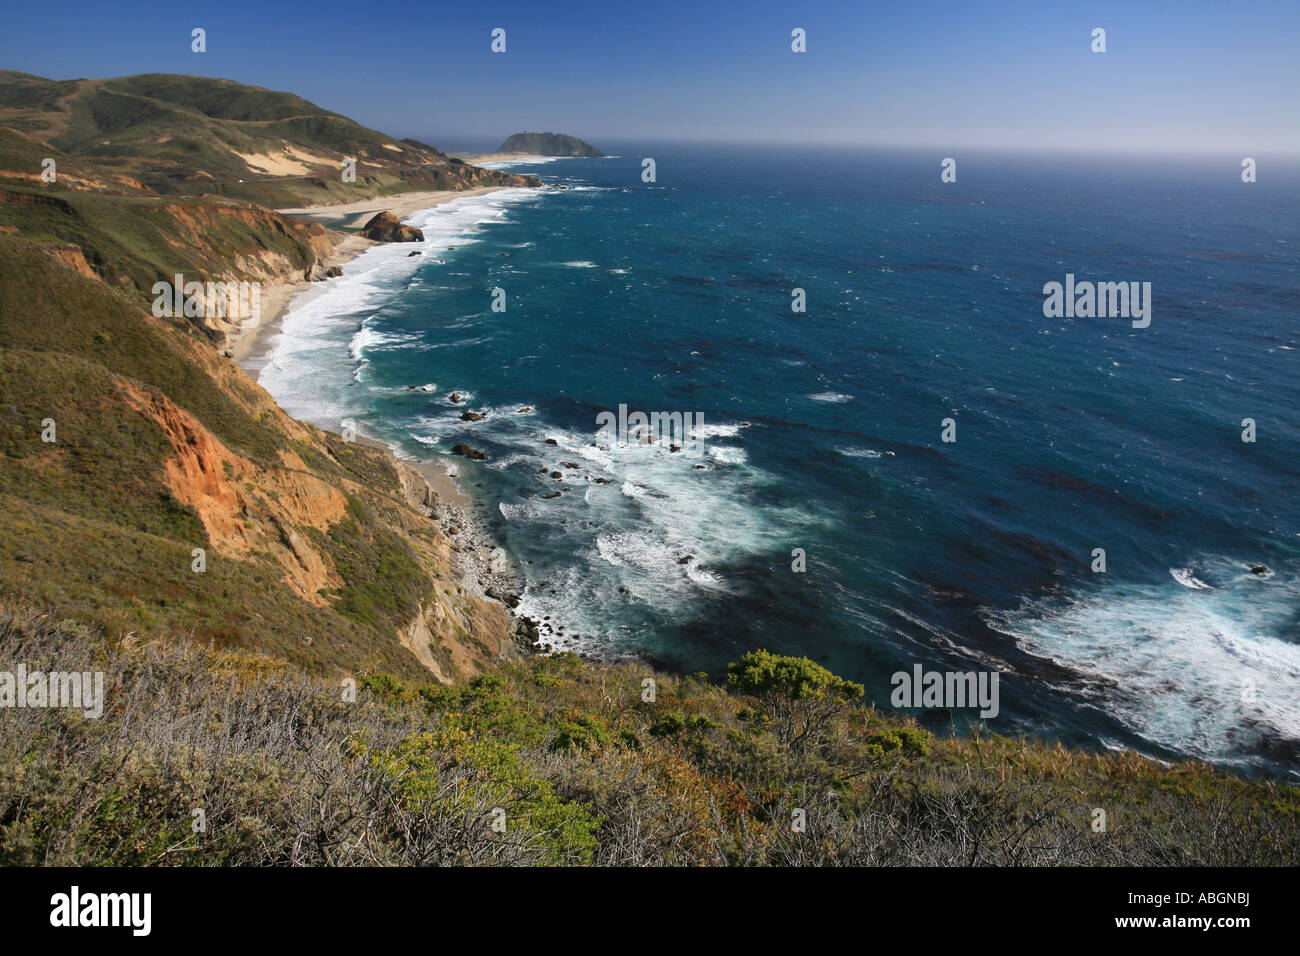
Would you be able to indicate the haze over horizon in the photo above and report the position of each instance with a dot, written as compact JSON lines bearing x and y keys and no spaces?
{"x":1008,"y":75}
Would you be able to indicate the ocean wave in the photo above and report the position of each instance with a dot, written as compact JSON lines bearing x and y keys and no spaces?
{"x":1188,"y":579}
{"x":368,"y":339}
{"x":324,"y":335}
{"x":715,"y":431}
{"x":859,"y":452}
{"x":728,"y":456}
{"x":1203,"y":670}
{"x":521,"y":161}
{"x":833,"y":397}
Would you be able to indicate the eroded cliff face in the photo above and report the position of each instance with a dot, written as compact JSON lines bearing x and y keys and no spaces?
{"x":250,"y":511}
{"x":246,"y":508}
{"x":326,"y":552}
{"x":243,"y":245}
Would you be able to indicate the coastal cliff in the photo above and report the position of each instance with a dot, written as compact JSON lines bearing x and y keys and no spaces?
{"x":301,"y":636}
{"x":169,"y":494}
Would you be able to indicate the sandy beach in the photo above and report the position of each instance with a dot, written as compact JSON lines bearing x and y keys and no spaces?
{"x":353,"y":215}
{"x":434,"y":474}
{"x":251,"y":349}
{"x":478,"y":159}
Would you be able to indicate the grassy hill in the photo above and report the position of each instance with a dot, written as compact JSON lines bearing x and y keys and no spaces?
{"x":314,"y":550}
{"x":321,"y":551}
{"x":190,"y":135}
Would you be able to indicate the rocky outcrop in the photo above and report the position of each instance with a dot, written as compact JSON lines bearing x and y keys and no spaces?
{"x":385,"y":227}
{"x":466,"y":451}
{"x":548,"y":144}
{"x":71,"y":256}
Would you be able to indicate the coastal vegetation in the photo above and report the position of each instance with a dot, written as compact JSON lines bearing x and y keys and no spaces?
{"x":191,"y":135}
{"x":294,"y":638}
{"x":555,"y":760}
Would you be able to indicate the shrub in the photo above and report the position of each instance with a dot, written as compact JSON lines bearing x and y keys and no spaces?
{"x":800,"y":697}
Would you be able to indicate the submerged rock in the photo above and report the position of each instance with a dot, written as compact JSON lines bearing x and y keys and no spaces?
{"x":465,"y":451}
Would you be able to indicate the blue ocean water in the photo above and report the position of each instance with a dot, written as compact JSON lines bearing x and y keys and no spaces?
{"x":823,"y":428}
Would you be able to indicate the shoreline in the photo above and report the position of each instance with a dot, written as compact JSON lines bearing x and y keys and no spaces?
{"x":252,"y":347}
{"x":254,"y":344}
{"x":349,"y":216}
{"x":451,"y":505}
{"x":478,"y":159}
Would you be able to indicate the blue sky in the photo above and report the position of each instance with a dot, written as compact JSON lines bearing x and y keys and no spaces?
{"x":1177,"y":76}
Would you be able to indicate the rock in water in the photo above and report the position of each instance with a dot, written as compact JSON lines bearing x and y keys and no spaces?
{"x":465,"y":451}
{"x":548,"y":144}
{"x":385,"y":227}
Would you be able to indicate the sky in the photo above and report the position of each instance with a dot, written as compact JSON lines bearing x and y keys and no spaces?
{"x":1182,"y":76}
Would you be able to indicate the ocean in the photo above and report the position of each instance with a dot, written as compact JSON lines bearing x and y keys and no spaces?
{"x":823,"y":430}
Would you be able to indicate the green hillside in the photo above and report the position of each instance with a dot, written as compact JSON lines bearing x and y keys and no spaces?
{"x":189,"y":135}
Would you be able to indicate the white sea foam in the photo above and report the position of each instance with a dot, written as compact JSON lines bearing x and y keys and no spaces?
{"x":313,"y":355}
{"x":1188,"y":579}
{"x":833,"y":397}
{"x":728,"y":456}
{"x":520,"y":161}
{"x":715,"y":431}
{"x":368,"y":339}
{"x":657,"y":536}
{"x":1203,"y":670}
